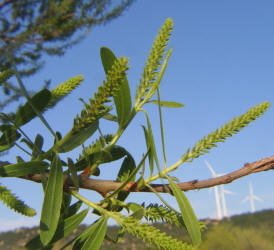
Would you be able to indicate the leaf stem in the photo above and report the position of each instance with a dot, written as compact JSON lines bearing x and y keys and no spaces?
{"x":25,"y":93}
{"x":17,"y":145}
{"x":164,"y":172}
{"x":161,"y":125}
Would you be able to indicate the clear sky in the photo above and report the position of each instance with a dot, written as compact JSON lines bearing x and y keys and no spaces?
{"x":222,"y":64}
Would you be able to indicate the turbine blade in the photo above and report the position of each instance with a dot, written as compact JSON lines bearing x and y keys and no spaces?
{"x":210,"y":168}
{"x":256,"y":198}
{"x":246,"y":199}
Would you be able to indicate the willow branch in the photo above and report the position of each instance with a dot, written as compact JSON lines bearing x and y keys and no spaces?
{"x":106,"y":186}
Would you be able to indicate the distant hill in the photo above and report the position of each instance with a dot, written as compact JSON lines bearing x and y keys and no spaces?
{"x":246,"y":231}
{"x":241,"y":232}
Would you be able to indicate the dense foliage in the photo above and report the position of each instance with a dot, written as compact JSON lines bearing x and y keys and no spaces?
{"x":62,"y":178}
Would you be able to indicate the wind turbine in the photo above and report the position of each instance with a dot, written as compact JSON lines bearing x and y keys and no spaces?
{"x":216,"y":192}
{"x":223,"y":192}
{"x":251,"y":197}
{"x":218,"y":195}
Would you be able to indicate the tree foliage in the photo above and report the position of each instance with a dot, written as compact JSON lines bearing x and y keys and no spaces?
{"x":62,"y":179}
{"x":30,"y":29}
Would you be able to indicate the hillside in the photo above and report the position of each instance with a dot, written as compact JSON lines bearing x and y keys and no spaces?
{"x":246,"y":231}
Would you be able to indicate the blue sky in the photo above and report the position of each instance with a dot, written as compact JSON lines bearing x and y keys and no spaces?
{"x":222,"y":64}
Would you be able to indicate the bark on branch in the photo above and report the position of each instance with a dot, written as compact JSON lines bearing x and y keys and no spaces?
{"x":106,"y":186}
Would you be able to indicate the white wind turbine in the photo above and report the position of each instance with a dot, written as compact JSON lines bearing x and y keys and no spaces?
{"x":251,"y":197}
{"x":216,"y":192}
{"x":218,"y":195}
{"x":223,"y":192}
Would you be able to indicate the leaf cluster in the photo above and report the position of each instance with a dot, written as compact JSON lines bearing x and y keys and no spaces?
{"x":61,"y":178}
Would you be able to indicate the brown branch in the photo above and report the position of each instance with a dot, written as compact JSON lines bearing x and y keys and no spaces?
{"x":106,"y":186}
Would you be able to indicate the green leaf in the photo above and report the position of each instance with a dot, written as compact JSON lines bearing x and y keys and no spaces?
{"x":93,"y":158}
{"x":133,"y":206}
{"x":110,"y":117}
{"x":96,"y":238}
{"x":37,"y":149}
{"x":74,"y":208}
{"x":9,"y":137}
{"x":65,"y":205}
{"x":9,"y":134}
{"x":151,"y":145}
{"x":131,"y":176}
{"x":93,"y":237}
{"x":68,"y":225}
{"x":52,"y":202}
{"x":26,"y":113}
{"x":23,"y":168}
{"x":114,"y":153}
{"x":73,"y":140}
{"x":73,"y":172}
{"x":5,"y":147}
{"x":126,"y":169}
{"x":188,"y":215}
{"x":167,"y":104}
{"x":65,"y":228}
{"x":139,"y":214}
{"x":122,"y":99}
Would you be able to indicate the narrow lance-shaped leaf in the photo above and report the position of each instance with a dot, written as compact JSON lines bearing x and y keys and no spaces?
{"x":73,"y":171}
{"x":96,"y":238}
{"x":75,"y":139}
{"x":150,"y":156}
{"x":23,"y":168}
{"x":26,"y":113}
{"x":9,"y":137}
{"x":92,"y":237}
{"x":150,"y":142}
{"x":110,"y":117}
{"x":112,"y":154}
{"x":188,"y":215}
{"x":167,"y":104}
{"x":37,"y":148}
{"x":52,"y":202}
{"x":131,"y":177}
{"x":9,"y":134}
{"x":74,"y":208}
{"x":126,"y":169}
{"x":64,"y":228}
{"x":122,"y":99}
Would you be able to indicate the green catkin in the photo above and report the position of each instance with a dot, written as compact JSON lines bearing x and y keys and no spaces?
{"x":96,"y":108}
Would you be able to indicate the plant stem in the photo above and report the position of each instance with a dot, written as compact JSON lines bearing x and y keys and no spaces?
{"x":162,"y":126}
{"x":164,"y":172}
{"x":17,"y":145}
{"x":122,"y":129}
{"x":25,"y":93}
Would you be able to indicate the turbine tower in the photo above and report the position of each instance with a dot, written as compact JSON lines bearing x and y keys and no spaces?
{"x":220,"y":195}
{"x":223,"y":192}
{"x":251,"y":197}
{"x":216,"y":192}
